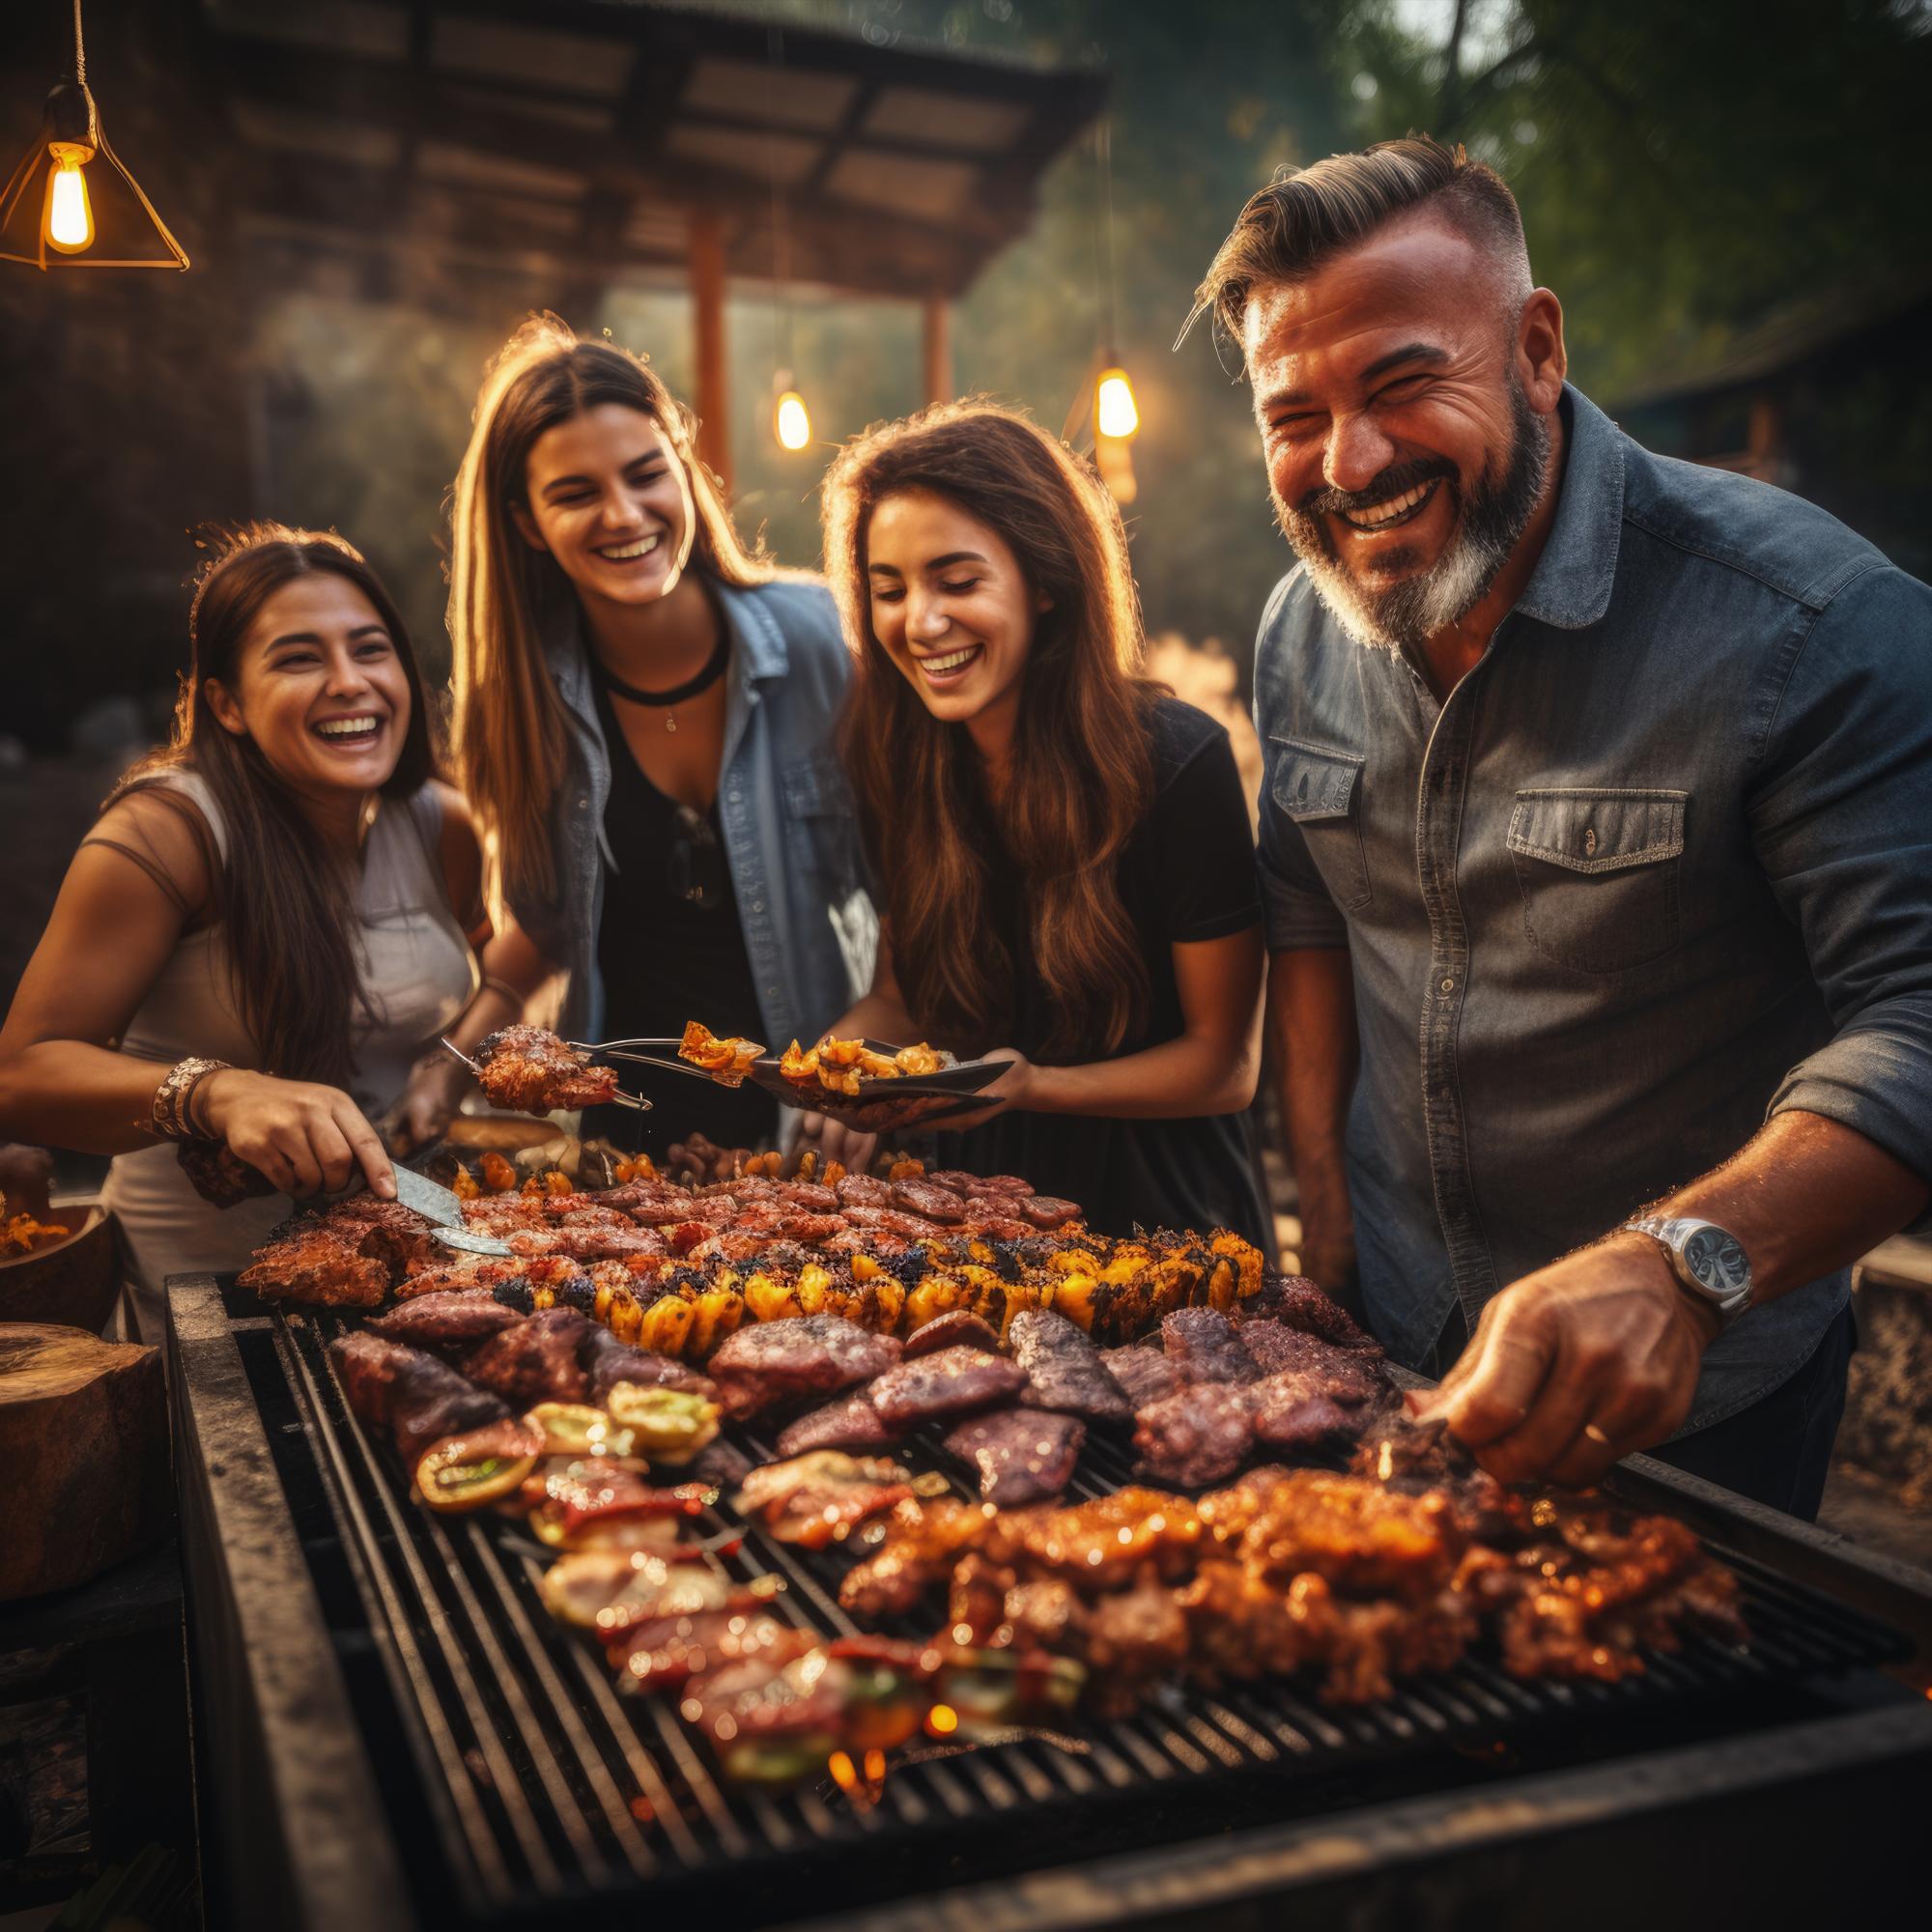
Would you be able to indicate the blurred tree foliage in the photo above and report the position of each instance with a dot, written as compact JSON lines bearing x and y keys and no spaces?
{"x":1682,"y":171}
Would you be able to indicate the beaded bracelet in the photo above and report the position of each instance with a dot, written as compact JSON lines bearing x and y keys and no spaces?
{"x":170,"y":1119}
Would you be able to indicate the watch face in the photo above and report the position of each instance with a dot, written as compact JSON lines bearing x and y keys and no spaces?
{"x":1717,"y":1261}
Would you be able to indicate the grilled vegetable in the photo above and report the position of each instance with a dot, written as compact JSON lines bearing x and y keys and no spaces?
{"x":576,"y":1429}
{"x":463,"y":1472}
{"x":668,"y":1425}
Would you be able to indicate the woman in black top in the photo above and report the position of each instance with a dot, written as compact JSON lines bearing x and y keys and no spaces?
{"x":1064,"y":852}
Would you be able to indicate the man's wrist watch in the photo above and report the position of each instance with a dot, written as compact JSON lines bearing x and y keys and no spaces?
{"x":1709,"y":1262}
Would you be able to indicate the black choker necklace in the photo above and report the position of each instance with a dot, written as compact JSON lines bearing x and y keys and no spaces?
{"x":714,"y":669}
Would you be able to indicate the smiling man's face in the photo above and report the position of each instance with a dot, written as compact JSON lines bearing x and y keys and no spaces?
{"x":1405,"y":454}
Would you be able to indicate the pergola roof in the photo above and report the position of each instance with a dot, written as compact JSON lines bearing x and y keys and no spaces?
{"x":584,"y":134}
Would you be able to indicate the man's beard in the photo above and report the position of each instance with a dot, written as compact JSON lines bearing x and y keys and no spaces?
{"x":1488,"y":525}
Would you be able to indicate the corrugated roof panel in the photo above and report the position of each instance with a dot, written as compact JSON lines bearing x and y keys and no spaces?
{"x":787,"y":156}
{"x":949,"y":120}
{"x":785,"y":96}
{"x":875,"y":178}
{"x":535,"y":56}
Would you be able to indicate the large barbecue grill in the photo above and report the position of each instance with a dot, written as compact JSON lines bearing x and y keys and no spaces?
{"x":394,"y":1733}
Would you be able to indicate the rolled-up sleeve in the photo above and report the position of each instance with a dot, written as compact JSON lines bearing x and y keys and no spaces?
{"x":1841,"y":819}
{"x":1295,"y":904}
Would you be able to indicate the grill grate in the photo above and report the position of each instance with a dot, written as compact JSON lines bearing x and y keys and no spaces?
{"x":544,"y":1784}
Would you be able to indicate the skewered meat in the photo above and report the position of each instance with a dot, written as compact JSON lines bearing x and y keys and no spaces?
{"x":450,"y":1319}
{"x":1064,"y":1369}
{"x":535,"y":1361}
{"x":527,"y":1071}
{"x":818,"y":1498}
{"x":419,"y":1398}
{"x":922,"y":1541}
{"x":1144,"y":1375}
{"x":953,"y":1381}
{"x":1199,"y":1435}
{"x":1202,"y":1343}
{"x":849,"y":1423}
{"x":1019,"y":1455}
{"x":316,"y":1267}
{"x":958,"y":1326}
{"x":670,"y":1651}
{"x":771,"y":1361}
{"x":727,"y":1061}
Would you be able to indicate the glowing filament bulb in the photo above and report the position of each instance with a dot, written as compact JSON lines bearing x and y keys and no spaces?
{"x":793,"y":421}
{"x":1114,"y":408}
{"x":69,"y":219}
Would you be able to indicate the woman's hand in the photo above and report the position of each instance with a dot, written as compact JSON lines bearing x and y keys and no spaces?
{"x":302,"y":1137}
{"x":835,"y":1141}
{"x":427,"y":1104}
{"x":1010,"y":1090}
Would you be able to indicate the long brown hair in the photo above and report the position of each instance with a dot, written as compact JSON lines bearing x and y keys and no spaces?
{"x":512,"y":746}
{"x":1081,"y":772}
{"x":281,"y":896}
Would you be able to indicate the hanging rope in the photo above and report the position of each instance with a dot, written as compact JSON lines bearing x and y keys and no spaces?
{"x":780,"y":239}
{"x":79,"y":48}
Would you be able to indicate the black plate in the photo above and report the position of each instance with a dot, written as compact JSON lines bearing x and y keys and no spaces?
{"x":886,"y":1103}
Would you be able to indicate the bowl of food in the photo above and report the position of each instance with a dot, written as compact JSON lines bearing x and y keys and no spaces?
{"x":59,"y":1268}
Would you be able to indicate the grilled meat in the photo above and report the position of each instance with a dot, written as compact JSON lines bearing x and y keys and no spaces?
{"x":958,"y":1326}
{"x":921,"y":1543}
{"x":1344,"y":1375}
{"x":527,"y":1071}
{"x":727,"y":1061}
{"x":450,"y":1319}
{"x":419,"y":1398}
{"x":1144,"y":1375}
{"x":1202,"y":1343}
{"x":1292,"y":1411}
{"x":534,"y":1361}
{"x":318,"y":1266}
{"x":607,"y":1362}
{"x":1295,"y":1299}
{"x":953,"y":1381}
{"x":849,"y":1423}
{"x":1199,"y":1435}
{"x":1019,"y":1455}
{"x":1064,"y":1369}
{"x":1044,"y":1211}
{"x":809,"y":1354}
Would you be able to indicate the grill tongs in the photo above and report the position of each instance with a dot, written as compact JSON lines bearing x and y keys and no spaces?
{"x":619,"y":1098}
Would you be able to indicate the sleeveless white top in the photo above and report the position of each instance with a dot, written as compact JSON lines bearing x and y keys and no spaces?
{"x":417,"y":973}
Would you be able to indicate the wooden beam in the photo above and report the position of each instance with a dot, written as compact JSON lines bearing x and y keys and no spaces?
{"x":937,"y":343}
{"x":707,"y":295}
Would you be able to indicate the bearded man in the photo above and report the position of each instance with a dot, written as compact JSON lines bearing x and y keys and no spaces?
{"x":1596,"y":844}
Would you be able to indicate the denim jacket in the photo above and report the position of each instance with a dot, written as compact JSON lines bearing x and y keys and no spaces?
{"x":789,"y":831}
{"x":1659,"y":866}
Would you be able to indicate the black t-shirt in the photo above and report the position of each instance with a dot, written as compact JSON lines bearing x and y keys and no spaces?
{"x":1188,"y":873}
{"x":670,"y":949}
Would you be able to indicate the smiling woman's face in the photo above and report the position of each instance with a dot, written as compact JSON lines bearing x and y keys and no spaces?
{"x":319,"y":687}
{"x":950,"y":604}
{"x":607,"y":497}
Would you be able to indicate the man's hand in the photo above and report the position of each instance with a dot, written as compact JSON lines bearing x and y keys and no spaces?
{"x":1583,"y":1361}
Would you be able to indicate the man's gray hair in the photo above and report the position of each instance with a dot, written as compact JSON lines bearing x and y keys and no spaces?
{"x":1305,"y":215}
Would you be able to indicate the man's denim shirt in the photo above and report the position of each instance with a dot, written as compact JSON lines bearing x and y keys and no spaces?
{"x":787,"y":815}
{"x":1659,"y":866}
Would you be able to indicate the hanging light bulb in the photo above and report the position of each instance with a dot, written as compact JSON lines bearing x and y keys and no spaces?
{"x":69,"y":220}
{"x":790,"y":418}
{"x":1115,"y":411}
{"x":90,"y":220}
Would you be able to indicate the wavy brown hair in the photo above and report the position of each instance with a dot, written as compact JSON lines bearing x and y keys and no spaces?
{"x":283,"y":899}
{"x":1080,"y":778}
{"x":511,"y":738}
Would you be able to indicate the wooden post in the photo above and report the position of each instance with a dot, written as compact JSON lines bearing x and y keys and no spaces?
{"x":938,"y":332}
{"x":707,"y":293}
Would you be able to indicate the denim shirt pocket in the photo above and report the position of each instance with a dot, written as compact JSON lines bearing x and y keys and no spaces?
{"x":1315,"y":785}
{"x":1599,"y":873}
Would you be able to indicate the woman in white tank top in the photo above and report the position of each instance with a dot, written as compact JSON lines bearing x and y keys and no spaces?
{"x":273,"y":921}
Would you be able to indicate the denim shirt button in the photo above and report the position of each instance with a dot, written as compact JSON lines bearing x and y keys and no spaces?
{"x":582,"y":802}
{"x":1448,"y":985}
{"x":757,"y":905}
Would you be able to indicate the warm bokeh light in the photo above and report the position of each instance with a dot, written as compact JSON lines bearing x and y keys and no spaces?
{"x":793,"y":421}
{"x":1115,"y":411}
{"x":942,"y":1718}
{"x":70,"y":219}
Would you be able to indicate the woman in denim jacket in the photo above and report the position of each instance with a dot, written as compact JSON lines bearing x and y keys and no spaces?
{"x":645,"y":717}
